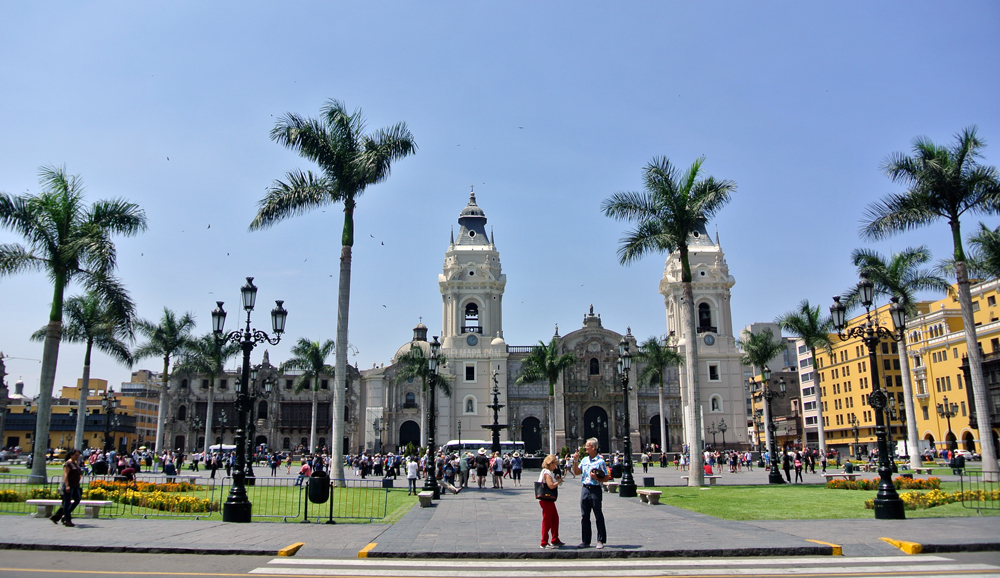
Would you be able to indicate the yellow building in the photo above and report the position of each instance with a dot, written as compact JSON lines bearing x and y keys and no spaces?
{"x":845,"y":381}
{"x":937,"y":355}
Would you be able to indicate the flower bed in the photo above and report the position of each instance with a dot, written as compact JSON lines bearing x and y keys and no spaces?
{"x":919,"y":500}
{"x":154,"y":496}
{"x":145,"y":486}
{"x":872,"y":484}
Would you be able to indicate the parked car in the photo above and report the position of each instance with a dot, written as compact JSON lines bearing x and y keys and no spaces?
{"x":967,"y":455}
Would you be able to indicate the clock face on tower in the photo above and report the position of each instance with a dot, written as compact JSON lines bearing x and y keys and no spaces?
{"x":472,"y":340}
{"x":709,"y":339}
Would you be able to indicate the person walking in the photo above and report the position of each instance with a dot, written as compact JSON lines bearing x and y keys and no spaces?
{"x":71,"y":492}
{"x":411,"y":475}
{"x":786,"y":464}
{"x":516,"y":466}
{"x":497,"y":465}
{"x":593,"y":472}
{"x":550,"y":516}
{"x":798,"y":468}
{"x":644,"y":458}
{"x":482,"y":465}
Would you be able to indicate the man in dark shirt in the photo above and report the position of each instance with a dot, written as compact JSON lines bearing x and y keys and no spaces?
{"x":482,"y":466}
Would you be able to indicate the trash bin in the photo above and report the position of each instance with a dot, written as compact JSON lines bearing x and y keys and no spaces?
{"x":616,"y":471}
{"x":647,"y":482}
{"x":319,"y":487}
{"x":386,"y":482}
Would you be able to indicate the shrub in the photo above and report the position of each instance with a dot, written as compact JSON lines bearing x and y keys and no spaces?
{"x":4,"y":470}
{"x":10,"y":496}
{"x":44,"y":494}
{"x":872,"y":484}
{"x":918,"y":500}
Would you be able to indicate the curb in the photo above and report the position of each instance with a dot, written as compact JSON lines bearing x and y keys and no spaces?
{"x":137,"y":549}
{"x":573,"y":553}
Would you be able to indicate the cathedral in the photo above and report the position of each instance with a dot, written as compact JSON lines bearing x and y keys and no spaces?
{"x":385,"y":411}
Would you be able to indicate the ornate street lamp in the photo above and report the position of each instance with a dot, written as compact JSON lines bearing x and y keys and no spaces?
{"x":259,"y":389}
{"x":890,"y":415}
{"x":196,"y":425}
{"x":722,"y":429}
{"x":854,"y":428}
{"x":238,"y":507}
{"x":430,"y":481}
{"x":496,"y":427}
{"x":888,"y":505}
{"x":948,"y":411}
{"x":626,"y":488}
{"x":711,"y":429}
{"x":762,"y":391}
{"x":108,"y":404}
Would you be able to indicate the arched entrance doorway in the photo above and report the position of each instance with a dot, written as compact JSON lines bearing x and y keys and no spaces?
{"x":179,"y":443}
{"x":260,"y":440}
{"x":969,"y":441}
{"x":531,"y":434}
{"x":409,"y":432}
{"x":952,"y":441}
{"x":654,"y":432}
{"x":595,"y":425}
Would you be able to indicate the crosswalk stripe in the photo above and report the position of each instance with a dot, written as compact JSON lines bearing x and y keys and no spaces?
{"x":900,"y":570}
{"x":619,"y":562}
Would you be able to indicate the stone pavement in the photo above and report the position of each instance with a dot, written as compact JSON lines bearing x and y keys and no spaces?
{"x":506,"y":523}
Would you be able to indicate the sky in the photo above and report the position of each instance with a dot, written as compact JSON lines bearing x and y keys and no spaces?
{"x":546,"y":108}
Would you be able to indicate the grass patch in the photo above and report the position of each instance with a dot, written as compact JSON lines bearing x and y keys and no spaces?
{"x":794,"y":502}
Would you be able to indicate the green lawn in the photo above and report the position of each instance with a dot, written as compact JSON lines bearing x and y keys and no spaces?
{"x":793,"y":502}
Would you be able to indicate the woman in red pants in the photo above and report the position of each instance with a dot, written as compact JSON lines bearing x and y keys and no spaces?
{"x":550,"y":516}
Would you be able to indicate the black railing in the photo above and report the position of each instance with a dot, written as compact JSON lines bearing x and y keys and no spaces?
{"x":472,"y":329}
{"x":978,"y":492}
{"x":707,"y":329}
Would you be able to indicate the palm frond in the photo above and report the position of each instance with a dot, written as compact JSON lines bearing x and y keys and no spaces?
{"x":298,"y":194}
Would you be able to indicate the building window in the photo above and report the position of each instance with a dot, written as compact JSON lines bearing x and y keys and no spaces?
{"x":262,"y":410}
{"x":713,"y":372}
{"x":288,"y":383}
{"x":411,"y":400}
{"x":472,"y":319}
{"x":470,"y":372}
{"x":204,"y":384}
{"x":324,"y":384}
{"x":716,"y":403}
{"x":347,"y":414}
{"x":955,"y":353}
{"x":926,"y":416}
{"x":184,"y":384}
{"x":704,"y":318}
{"x":963,"y":409}
{"x":182,"y":412}
{"x":807,"y":376}
{"x":809,"y":406}
{"x":222,"y":384}
{"x":595,"y":366}
{"x":470,"y":405}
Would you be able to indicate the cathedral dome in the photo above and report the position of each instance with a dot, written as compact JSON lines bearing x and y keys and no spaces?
{"x":472,"y":209}
{"x":498,"y":341}
{"x":406,"y":349}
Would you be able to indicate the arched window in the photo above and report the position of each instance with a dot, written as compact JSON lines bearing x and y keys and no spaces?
{"x":472,"y":319}
{"x":716,"y":403}
{"x":262,"y":410}
{"x":286,"y":444}
{"x":182,"y":413}
{"x":411,"y":400}
{"x":470,"y":404}
{"x":184,"y":384}
{"x":704,"y":317}
{"x":595,"y":366}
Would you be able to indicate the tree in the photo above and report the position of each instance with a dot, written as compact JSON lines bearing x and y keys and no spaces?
{"x":92,"y":322}
{"x":169,"y":337}
{"x":657,"y":357}
{"x":544,"y":362}
{"x":900,"y":276}
{"x":69,"y":241}
{"x":985,"y":258}
{"x":944,"y":183}
{"x":206,"y":355}
{"x":759,"y":349}
{"x":413,"y":364}
{"x":309,"y":357}
{"x":814,"y":329}
{"x":674,"y":205}
{"x":350,"y":161}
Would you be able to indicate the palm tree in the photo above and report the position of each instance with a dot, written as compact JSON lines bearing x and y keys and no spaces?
{"x":900,"y":276}
{"x":350,"y":161}
{"x":814,"y":329}
{"x":171,"y":336}
{"x":944,"y":183}
{"x":91,"y":322}
{"x":69,"y":241}
{"x":309,"y":357}
{"x":759,"y":349}
{"x":413,"y":364}
{"x":657,"y":356}
{"x":207,"y":355}
{"x":674,"y":205}
{"x":545,"y":362}
{"x":985,"y":254}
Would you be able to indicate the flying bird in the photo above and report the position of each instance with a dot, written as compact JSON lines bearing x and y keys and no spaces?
{"x":209,"y":226}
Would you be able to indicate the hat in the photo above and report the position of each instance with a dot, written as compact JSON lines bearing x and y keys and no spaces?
{"x":517,"y":455}
{"x":482,"y":450}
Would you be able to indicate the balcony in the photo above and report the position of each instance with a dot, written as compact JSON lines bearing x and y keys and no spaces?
{"x":707,"y":329}
{"x":472,"y":329}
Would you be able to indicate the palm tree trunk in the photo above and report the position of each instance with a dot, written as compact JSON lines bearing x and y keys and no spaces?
{"x":81,"y":406}
{"x":423,"y":417}
{"x":552,"y":425}
{"x":696,"y":475}
{"x":209,"y":412}
{"x":991,"y":471}
{"x":663,"y":421}
{"x":912,"y":449}
{"x":161,"y":412}
{"x":343,"y":305}
{"x":315,"y":415}
{"x":821,"y":429}
{"x":50,"y":356}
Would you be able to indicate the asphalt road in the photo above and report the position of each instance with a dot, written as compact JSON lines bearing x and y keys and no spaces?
{"x":20,"y":564}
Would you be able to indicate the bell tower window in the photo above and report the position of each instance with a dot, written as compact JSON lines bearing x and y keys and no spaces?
{"x":705,"y":319}
{"x":472,"y":319}
{"x":595,"y":366}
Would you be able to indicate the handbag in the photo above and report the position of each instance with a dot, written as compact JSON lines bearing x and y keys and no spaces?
{"x":545,"y":493}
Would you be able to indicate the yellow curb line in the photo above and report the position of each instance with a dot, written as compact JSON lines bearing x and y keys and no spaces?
{"x":363,"y":553}
{"x":908,"y":547}
{"x":837,"y":549}
{"x":291,"y":550}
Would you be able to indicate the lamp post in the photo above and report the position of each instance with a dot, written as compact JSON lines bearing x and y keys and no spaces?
{"x":626,"y":488}
{"x":597,"y":425}
{"x":854,"y":428}
{"x":890,"y":414}
{"x":108,"y":404}
{"x":430,"y":481}
{"x":722,"y":429}
{"x":758,"y":425}
{"x":259,"y":389}
{"x":948,"y":411}
{"x":762,"y":391}
{"x":378,"y":428}
{"x":238,"y":507}
{"x":711,"y":429}
{"x":460,"y":435}
{"x":888,"y":505}
{"x":196,"y":425}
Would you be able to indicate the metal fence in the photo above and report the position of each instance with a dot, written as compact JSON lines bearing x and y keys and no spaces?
{"x":979,"y":493}
{"x":15,"y":489}
{"x":271,"y":497}
{"x":201,"y":498}
{"x":353,"y":500}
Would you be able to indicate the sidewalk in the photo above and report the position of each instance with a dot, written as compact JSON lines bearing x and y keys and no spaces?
{"x":506,"y":523}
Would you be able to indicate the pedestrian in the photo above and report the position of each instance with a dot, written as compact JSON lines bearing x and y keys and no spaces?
{"x":798,"y":468}
{"x":496,"y":465}
{"x":482,"y":465}
{"x":70,"y":487}
{"x":550,"y":516}
{"x":411,"y":475}
{"x":288,"y":464}
{"x":593,"y":472}
{"x":274,"y":462}
{"x":463,"y":470}
{"x":304,"y":472}
{"x":515,"y":468}
{"x":786,"y":464}
{"x":644,"y":458}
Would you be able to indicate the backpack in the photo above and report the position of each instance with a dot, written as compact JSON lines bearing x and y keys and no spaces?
{"x":449,"y":471}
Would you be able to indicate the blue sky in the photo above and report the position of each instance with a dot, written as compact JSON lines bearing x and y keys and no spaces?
{"x":547,"y":108}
